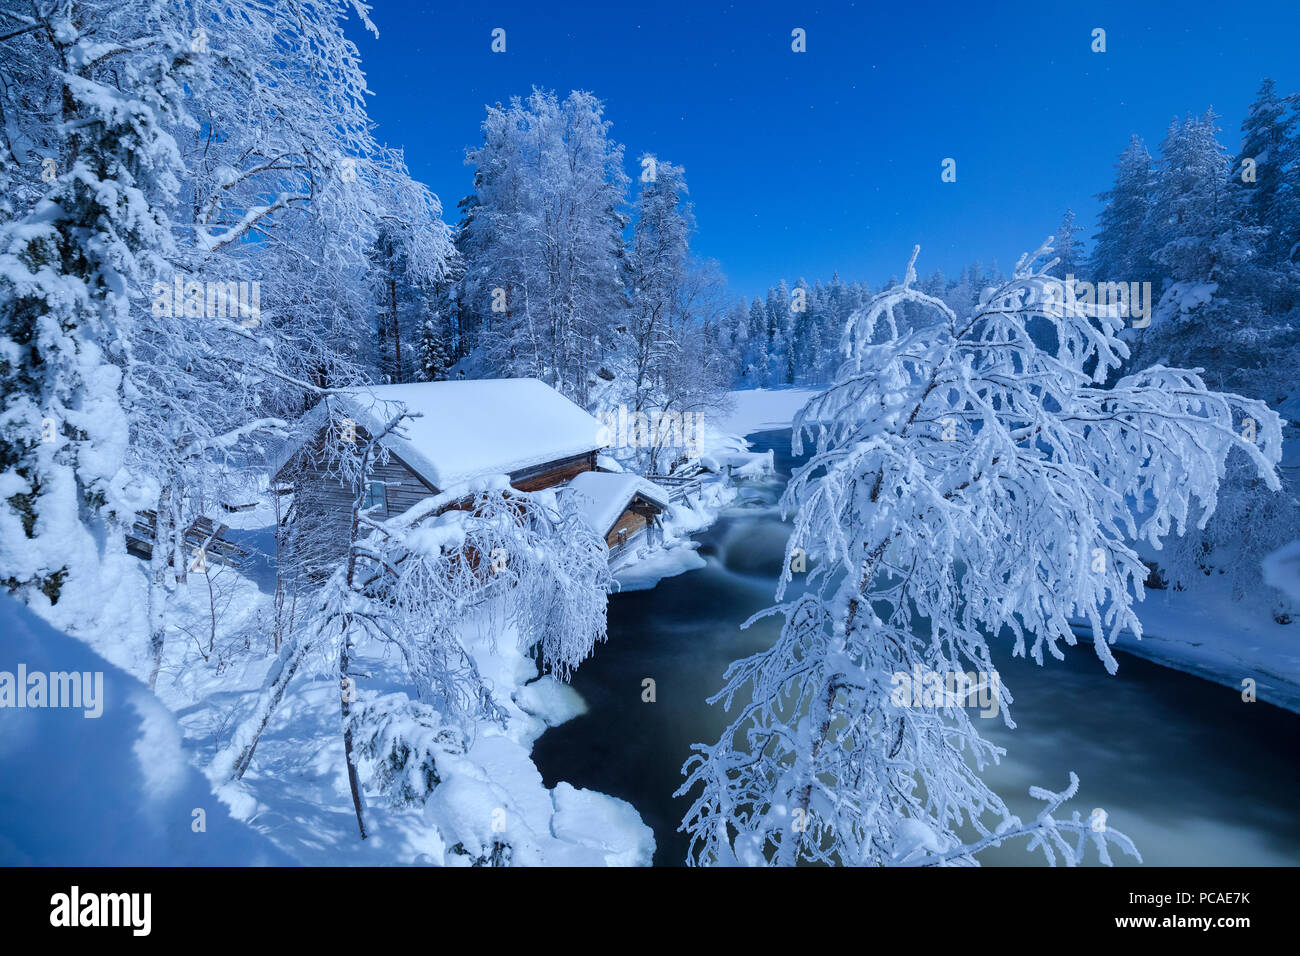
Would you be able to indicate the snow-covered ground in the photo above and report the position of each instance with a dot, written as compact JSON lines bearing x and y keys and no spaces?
{"x":114,"y":789}
{"x":760,"y":409}
{"x":294,"y":798}
{"x":296,"y":790}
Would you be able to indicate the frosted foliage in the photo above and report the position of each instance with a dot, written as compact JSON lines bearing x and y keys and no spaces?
{"x":548,"y":568}
{"x":928,"y":549}
{"x":191,"y":194}
{"x":539,"y":237}
{"x":493,"y":554}
{"x":403,"y":741}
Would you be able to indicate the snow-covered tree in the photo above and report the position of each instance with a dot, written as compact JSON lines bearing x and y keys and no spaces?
{"x":965,"y":484}
{"x":542,"y":241}
{"x":1267,"y":171}
{"x":196,"y":192}
{"x":669,"y":362}
{"x":1069,"y":249}
{"x":410,"y":587}
{"x":779,"y":318}
{"x":408,"y":261}
{"x":1197,"y":228}
{"x":432,"y":355}
{"x":69,"y":268}
{"x":1222,"y":289}
{"x":759,"y":358}
{"x":1124,"y":244}
{"x":286,"y":184}
{"x":789,"y":335}
{"x":659,"y":259}
{"x":734,"y":336}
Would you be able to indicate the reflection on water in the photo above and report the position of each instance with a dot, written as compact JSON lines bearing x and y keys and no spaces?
{"x":1192,"y":774}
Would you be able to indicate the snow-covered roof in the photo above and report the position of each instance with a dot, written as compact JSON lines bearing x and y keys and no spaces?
{"x":600,"y":497}
{"x":473,"y":428}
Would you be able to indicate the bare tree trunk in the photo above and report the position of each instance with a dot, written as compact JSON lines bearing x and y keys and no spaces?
{"x":345,"y":695}
{"x":788,"y":854}
{"x":160,"y":560}
{"x":397,"y":332}
{"x":239,"y":753}
{"x":278,"y":602}
{"x":345,"y":637}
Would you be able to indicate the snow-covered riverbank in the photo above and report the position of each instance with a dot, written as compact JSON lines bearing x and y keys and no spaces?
{"x":1203,"y":632}
{"x":1206,"y":633}
{"x":295,"y":792}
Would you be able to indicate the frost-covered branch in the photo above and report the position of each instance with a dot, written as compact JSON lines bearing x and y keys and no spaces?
{"x":964,"y":482}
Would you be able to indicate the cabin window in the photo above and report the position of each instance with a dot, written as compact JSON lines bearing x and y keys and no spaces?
{"x":376,"y":497}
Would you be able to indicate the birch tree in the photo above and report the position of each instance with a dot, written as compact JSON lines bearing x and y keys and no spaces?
{"x":965,"y":488}
{"x":670,"y":361}
{"x":543,"y":240}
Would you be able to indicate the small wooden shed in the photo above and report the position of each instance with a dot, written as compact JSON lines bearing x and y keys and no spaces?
{"x":621,"y":507}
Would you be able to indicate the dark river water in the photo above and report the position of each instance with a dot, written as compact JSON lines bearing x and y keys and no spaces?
{"x":1191,"y":773}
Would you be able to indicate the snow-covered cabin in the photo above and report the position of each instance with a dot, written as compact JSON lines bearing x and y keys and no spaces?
{"x":620,"y":507}
{"x":471,"y":429}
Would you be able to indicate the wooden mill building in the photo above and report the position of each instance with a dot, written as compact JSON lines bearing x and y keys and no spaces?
{"x":464,"y":431}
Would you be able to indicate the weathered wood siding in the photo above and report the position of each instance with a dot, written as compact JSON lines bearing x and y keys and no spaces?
{"x":640,"y":518}
{"x":553,"y":473}
{"x":629,"y":523}
{"x":410,"y":488}
{"x":317,"y":490}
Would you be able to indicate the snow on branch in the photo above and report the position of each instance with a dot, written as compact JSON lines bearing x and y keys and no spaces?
{"x":964,"y":482}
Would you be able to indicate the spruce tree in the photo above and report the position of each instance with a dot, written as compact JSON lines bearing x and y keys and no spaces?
{"x":1123,"y":243}
{"x":1267,"y":173}
{"x":68,"y":270}
{"x":432,"y":351}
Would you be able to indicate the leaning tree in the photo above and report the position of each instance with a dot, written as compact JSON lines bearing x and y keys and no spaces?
{"x":967,"y":485}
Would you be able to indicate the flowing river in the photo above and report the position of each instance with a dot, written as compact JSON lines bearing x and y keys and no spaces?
{"x":1189,"y":772}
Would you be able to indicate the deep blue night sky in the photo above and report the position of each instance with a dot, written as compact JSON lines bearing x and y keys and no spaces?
{"x":802,"y":164}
